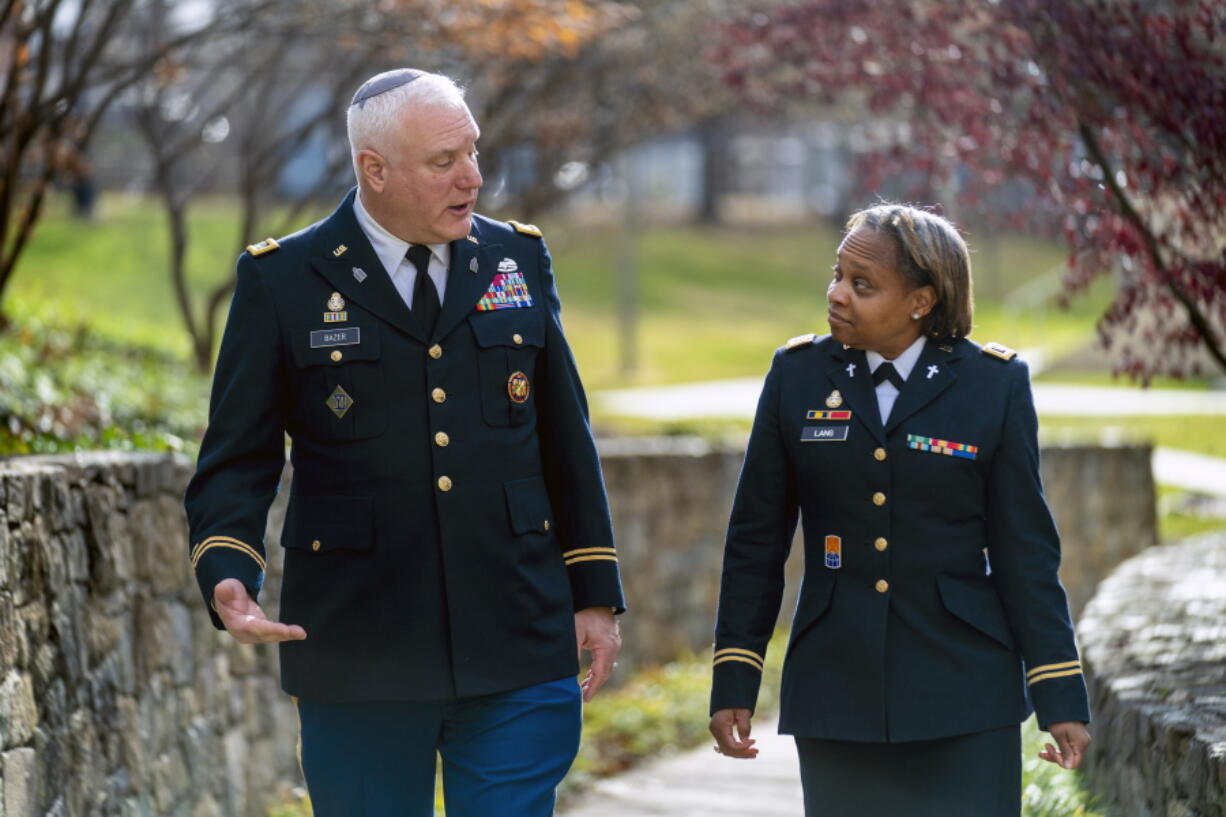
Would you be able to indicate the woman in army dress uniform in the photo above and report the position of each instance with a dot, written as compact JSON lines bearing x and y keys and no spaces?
{"x":931,"y":621}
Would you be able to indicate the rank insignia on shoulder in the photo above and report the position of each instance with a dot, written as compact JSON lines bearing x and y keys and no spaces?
{"x":527,"y":229}
{"x":800,"y":340}
{"x":266,"y":246}
{"x":999,"y":350}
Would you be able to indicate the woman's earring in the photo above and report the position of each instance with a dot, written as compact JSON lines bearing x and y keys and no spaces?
{"x":915,"y":316}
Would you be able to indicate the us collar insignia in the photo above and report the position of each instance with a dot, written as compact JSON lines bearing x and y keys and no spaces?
{"x":336,"y":306}
{"x":473,"y":239}
{"x":834,"y":400}
{"x":340,"y":250}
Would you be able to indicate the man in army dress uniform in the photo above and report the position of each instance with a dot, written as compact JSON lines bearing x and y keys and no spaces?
{"x":448,"y":540}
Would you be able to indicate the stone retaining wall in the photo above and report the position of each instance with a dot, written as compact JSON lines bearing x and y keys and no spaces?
{"x":117,"y":697}
{"x":1154,"y":644}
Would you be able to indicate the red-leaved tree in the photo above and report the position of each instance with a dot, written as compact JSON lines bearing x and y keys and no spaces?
{"x":1111,"y":114}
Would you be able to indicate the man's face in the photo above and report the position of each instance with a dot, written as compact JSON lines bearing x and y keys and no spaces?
{"x":430,"y":180}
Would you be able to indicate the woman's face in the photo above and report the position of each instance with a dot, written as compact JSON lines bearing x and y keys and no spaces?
{"x":869,"y":303}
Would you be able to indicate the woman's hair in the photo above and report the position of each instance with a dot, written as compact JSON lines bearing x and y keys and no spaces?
{"x":929,"y":252}
{"x":372,"y":123}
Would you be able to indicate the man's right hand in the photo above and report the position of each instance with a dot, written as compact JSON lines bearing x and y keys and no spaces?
{"x":245,"y":620}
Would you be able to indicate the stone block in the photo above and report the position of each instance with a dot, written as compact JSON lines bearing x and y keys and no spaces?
{"x":20,"y":783}
{"x":18,"y":710}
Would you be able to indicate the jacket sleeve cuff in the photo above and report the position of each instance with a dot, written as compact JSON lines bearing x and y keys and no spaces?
{"x":223,"y":557}
{"x":594,"y":578}
{"x":737,"y":678}
{"x":1059,"y":693}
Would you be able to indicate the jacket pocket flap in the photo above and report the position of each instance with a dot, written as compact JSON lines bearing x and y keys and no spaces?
{"x":528,"y":505}
{"x":976,"y":603}
{"x":323,"y":523}
{"x":335,"y":347}
{"x":509,"y":327}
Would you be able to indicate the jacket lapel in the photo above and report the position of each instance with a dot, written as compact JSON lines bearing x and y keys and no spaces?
{"x":931,"y":376}
{"x":466,"y":281}
{"x":340,"y":250}
{"x":850,"y":375}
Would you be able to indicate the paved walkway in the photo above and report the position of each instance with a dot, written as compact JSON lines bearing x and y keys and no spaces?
{"x":699,"y":783}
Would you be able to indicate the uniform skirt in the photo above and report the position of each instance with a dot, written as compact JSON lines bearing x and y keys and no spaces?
{"x":976,"y":775}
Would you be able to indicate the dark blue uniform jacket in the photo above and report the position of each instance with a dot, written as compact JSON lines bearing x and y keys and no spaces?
{"x":447,"y":514}
{"x":930,"y":605}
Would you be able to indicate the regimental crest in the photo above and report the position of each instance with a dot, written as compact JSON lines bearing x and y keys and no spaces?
{"x":508,"y":290}
{"x":518,"y":388}
{"x":340,"y":402}
{"x":834,"y":552}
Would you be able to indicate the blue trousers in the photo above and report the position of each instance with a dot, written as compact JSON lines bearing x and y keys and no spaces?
{"x":503,"y":754}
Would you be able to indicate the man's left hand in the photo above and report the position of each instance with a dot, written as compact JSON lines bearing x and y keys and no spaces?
{"x":596,"y":631}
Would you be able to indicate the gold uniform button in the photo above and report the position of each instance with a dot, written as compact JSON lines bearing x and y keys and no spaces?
{"x":444,"y":483}
{"x":518,"y":338}
{"x":336,"y":355}
{"x":879,"y":498}
{"x":546,"y":524}
{"x":316,"y":545}
{"x":438,"y":396}
{"x":882,"y":585}
{"x":442,"y":440}
{"x":880,"y":543}
{"x":879,"y":455}
{"x":435,"y":351}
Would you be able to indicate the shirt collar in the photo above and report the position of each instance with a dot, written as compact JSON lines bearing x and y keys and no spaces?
{"x":391,"y":250}
{"x":904,"y":363}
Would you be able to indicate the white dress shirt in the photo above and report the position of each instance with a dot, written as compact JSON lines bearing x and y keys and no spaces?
{"x":392,"y":254}
{"x":903,"y":364}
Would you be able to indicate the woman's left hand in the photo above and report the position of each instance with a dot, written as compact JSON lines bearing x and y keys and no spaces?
{"x":1073,"y":738}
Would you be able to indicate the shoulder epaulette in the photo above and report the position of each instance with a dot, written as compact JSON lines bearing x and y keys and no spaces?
{"x":800,"y":340}
{"x":267,"y":245}
{"x":998,"y":350}
{"x":529,"y":229}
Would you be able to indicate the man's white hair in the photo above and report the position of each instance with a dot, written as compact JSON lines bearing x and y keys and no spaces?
{"x":372,"y":123}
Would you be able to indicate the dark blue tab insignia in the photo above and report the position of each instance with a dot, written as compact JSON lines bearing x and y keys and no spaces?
{"x":323,"y":338}
{"x":823,"y":434}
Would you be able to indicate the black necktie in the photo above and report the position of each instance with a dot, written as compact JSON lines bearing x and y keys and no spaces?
{"x":886,"y":371}
{"x":425,"y":296}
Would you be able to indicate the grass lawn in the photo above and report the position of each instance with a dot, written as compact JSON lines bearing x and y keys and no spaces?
{"x":713,"y":303}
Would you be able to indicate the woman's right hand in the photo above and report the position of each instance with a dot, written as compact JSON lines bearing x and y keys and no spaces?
{"x":731,"y":730}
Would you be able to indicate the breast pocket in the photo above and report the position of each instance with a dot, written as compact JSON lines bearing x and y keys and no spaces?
{"x":508,"y":344}
{"x":341,"y":394}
